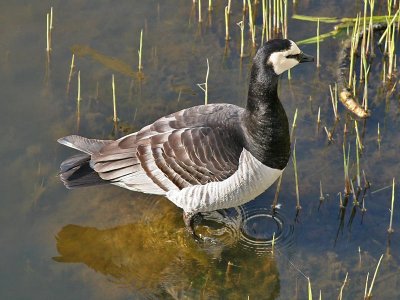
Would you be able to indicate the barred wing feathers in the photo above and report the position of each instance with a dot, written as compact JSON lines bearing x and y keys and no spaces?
{"x":191,"y":147}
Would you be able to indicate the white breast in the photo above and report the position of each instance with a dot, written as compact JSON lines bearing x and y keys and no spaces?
{"x":250,"y":180}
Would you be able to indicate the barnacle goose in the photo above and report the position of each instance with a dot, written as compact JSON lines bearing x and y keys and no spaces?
{"x":202,"y":158}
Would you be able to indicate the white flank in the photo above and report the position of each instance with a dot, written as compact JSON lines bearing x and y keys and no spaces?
{"x":250,"y":180}
{"x":280,"y":62}
{"x":142,"y":183}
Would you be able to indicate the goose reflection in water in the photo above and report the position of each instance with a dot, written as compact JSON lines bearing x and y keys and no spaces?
{"x":154,"y":259}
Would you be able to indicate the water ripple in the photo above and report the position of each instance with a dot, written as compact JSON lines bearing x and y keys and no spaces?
{"x":252,"y":228}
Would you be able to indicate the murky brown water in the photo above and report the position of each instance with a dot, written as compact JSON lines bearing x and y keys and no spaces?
{"x":109,"y":243}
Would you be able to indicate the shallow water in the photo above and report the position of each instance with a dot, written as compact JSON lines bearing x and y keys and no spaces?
{"x":109,"y":243}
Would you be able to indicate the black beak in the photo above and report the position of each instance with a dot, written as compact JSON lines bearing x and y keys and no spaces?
{"x":305,"y":57}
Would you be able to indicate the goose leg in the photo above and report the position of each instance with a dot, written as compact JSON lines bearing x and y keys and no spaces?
{"x":190,"y":220}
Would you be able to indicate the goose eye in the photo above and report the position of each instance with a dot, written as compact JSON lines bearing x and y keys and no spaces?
{"x":295,"y":56}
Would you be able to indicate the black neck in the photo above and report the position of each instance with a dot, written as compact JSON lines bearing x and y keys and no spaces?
{"x":266,"y":123}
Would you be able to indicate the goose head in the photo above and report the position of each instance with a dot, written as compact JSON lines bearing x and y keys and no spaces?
{"x":281,"y":55}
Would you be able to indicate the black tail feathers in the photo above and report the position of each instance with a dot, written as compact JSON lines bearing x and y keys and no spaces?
{"x":76,"y":172}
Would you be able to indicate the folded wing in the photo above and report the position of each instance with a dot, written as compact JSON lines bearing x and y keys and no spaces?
{"x":191,"y":147}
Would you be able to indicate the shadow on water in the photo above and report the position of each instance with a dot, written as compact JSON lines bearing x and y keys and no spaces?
{"x":155,"y":259}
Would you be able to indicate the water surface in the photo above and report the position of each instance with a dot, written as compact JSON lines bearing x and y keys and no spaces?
{"x":109,"y":243}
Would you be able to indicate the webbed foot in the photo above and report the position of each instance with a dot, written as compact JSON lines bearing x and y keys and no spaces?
{"x":190,"y":220}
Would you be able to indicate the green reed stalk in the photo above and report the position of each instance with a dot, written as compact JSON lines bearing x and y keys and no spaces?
{"x":252,"y":26}
{"x":278,"y":15}
{"x":275,"y":15}
{"x":355,"y":200}
{"x":387,"y":38}
{"x":227,"y":38}
{"x":363,"y":41}
{"x":390,"y":229}
{"x":264,"y":33}
{"x":270,"y":29}
{"x":360,"y":145}
{"x":365,"y":21}
{"x":370,"y":31}
{"x":343,"y":22}
{"x":358,"y":165}
{"x":354,"y":43}
{"x":334,"y":101}
{"x":346,"y":170}
{"x":385,"y":33}
{"x":391,"y":53}
{"x":369,"y":38}
{"x":210,"y":7}
{"x":365,"y":93}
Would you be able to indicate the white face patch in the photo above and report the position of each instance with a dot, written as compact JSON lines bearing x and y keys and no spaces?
{"x":280,"y":62}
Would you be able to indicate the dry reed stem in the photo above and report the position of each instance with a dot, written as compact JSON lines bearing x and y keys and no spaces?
{"x":342,"y":287}
{"x":204,"y":86}
{"x":79,"y":87}
{"x":115,"y":118}
{"x":309,"y":289}
{"x":278,"y":189}
{"x":273,"y":244}
{"x":390,"y":229}
{"x":369,"y":295}
{"x":71,"y":71}
{"x":298,"y":206}
{"x":140,"y":66}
